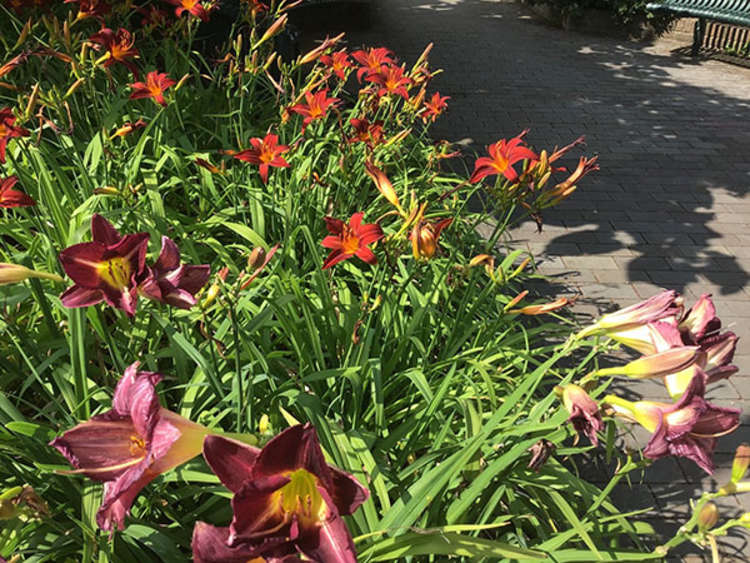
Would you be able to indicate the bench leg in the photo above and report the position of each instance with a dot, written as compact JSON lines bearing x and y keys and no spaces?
{"x":699,"y":31}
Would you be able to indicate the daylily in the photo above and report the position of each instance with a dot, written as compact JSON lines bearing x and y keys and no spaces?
{"x":649,"y":338}
{"x":700,"y":320}
{"x":383,"y":184}
{"x":287,"y":501}
{"x":13,"y":198}
{"x":173,"y":283}
{"x":661,"y":306}
{"x":154,"y":87}
{"x":434,"y":107}
{"x":265,"y":152}
{"x":316,"y":107}
{"x":372,"y":59}
{"x":503,"y":155}
{"x":687,"y":428}
{"x":347,"y":240}
{"x":338,"y":62}
{"x":8,"y":130}
{"x":391,"y":80}
{"x":365,"y":132}
{"x":658,"y":364}
{"x":544,"y":308}
{"x":584,"y":412}
{"x":119,"y":46}
{"x":424,"y":237}
{"x":128,"y":127}
{"x":193,"y":7}
{"x":106,"y":269}
{"x":90,"y":8}
{"x":130,"y":445}
{"x":153,"y":16}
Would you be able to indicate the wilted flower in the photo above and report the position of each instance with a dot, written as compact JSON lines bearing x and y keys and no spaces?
{"x":170,"y":282}
{"x":316,"y":106}
{"x":503,"y":155}
{"x":287,"y":501}
{"x":687,"y":428}
{"x":584,"y":412}
{"x":424,"y":237}
{"x":265,"y":152}
{"x":130,"y":445}
{"x":347,"y":240}
{"x":128,"y":127}
{"x":8,"y":130}
{"x":154,"y":87}
{"x":13,"y":198}
{"x":365,"y":132}
{"x":119,"y":46}
{"x":106,"y":269}
{"x":372,"y":60}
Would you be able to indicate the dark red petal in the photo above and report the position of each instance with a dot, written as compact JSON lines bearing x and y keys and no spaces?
{"x":210,"y":546}
{"x":257,"y":514}
{"x":135,"y":396}
{"x":334,"y":226}
{"x":80,"y":263}
{"x":194,"y":277}
{"x":347,"y":494}
{"x":102,"y":231}
{"x":230,"y":460}
{"x":133,"y":247}
{"x":14,"y":198}
{"x":77,"y":296}
{"x":328,"y":541}
{"x":169,"y":256}
{"x":334,"y":258}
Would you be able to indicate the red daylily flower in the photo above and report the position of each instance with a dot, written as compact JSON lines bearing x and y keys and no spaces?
{"x":130,"y":445}
{"x":316,"y":107}
{"x":503,"y":155}
{"x":365,"y":132}
{"x":584,"y":412}
{"x":154,"y":87}
{"x":119,"y":46}
{"x":338,"y":62}
{"x":350,"y":240}
{"x":8,"y":130}
{"x":372,"y":59}
{"x":287,"y":501}
{"x":13,"y":198}
{"x":106,"y":269}
{"x":194,"y":7}
{"x":391,"y":80}
{"x":264,"y":152}
{"x":688,"y":428}
{"x":434,"y":107}
{"x":170,"y":282}
{"x":90,"y":8}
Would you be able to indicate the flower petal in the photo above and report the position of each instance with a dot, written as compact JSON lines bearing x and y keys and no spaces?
{"x":230,"y":460}
{"x":102,"y":231}
{"x":77,"y":296}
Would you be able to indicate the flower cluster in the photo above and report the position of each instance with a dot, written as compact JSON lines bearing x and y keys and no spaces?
{"x":688,"y":352}
{"x":112,"y":268}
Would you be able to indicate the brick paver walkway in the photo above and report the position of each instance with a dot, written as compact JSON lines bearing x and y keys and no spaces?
{"x":670,"y":206}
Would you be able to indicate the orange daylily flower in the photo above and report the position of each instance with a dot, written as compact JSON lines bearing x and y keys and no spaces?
{"x":316,"y":106}
{"x":347,"y":240}
{"x":119,"y":46}
{"x":434,"y":107}
{"x":338,"y":62}
{"x":503,"y":155}
{"x":264,"y":152}
{"x":391,"y":80}
{"x":193,"y":7}
{"x":424,"y":237}
{"x":365,"y":132}
{"x":372,"y":59}
{"x":154,"y":87}
{"x":8,"y":130}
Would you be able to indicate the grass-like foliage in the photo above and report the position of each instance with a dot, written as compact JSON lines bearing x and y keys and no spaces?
{"x":349,"y":288}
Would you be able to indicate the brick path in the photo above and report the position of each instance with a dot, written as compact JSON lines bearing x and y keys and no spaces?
{"x":668,"y":209}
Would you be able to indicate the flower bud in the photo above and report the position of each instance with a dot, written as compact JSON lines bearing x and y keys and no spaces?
{"x":274,"y":28}
{"x":741,"y":462}
{"x":708,"y":516}
{"x":257,"y":258}
{"x":382,"y":183}
{"x":15,"y":273}
{"x":656,"y":365}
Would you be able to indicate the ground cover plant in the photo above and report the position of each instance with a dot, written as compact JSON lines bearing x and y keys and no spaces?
{"x":247,"y":313}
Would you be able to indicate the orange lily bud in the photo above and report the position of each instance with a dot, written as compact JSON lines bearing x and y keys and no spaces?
{"x":544,"y":307}
{"x":274,"y":28}
{"x":74,"y":87}
{"x":383,"y":184}
{"x":516,"y":300}
{"x":181,"y":82}
{"x":213,"y":291}
{"x":741,"y":462}
{"x":24,"y":34}
{"x":320,"y":49}
{"x":106,"y":190}
{"x":32,"y":101}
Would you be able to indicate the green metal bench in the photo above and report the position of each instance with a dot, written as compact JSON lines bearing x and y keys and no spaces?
{"x":735,"y":12}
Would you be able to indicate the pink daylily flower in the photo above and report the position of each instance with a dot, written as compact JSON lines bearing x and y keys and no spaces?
{"x":130,"y":445}
{"x":287,"y":502}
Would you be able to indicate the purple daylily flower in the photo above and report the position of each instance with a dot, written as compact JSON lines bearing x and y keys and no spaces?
{"x":130,"y":445}
{"x":170,"y":282}
{"x":287,"y":501}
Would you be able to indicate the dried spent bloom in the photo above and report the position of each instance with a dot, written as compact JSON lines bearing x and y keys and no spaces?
{"x":584,"y":412}
{"x":106,"y":269}
{"x":130,"y":445}
{"x":264,"y":152}
{"x":13,"y":198}
{"x":352,"y":239}
{"x":424,"y":237}
{"x":287,"y":501}
{"x":154,"y":87}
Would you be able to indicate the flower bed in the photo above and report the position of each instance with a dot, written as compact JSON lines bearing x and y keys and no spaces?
{"x":249,"y":316}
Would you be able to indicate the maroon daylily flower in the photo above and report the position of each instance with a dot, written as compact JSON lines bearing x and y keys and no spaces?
{"x":13,"y":198}
{"x":130,"y":445}
{"x":316,"y":106}
{"x":106,"y":269}
{"x":584,"y":412}
{"x":265,"y":152}
{"x":287,"y":501}
{"x":90,"y":8}
{"x":173,"y":283}
{"x":8,"y":130}
{"x":119,"y":46}
{"x":350,"y":240}
{"x":689,"y":428}
{"x":503,"y":155}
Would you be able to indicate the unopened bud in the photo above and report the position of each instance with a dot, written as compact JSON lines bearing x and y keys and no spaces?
{"x":741,"y":462}
{"x":274,"y":28}
{"x":15,"y":273}
{"x":708,"y":516}
{"x":263,"y":424}
{"x":256,"y":258}
{"x":74,"y":87}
